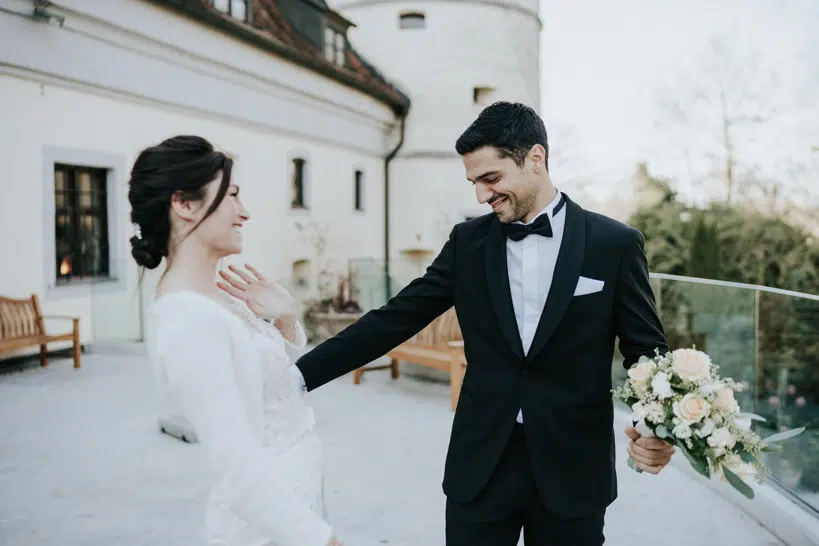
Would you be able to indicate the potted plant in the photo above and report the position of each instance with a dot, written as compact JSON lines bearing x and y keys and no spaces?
{"x":337,"y":304}
{"x":326,"y":317}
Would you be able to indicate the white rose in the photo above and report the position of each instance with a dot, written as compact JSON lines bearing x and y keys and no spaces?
{"x":722,"y":438}
{"x":691,"y":365}
{"x":706,"y":428}
{"x":725,"y":401}
{"x":691,"y":409}
{"x":661,"y":386}
{"x":681,"y":431}
{"x":641,"y":372}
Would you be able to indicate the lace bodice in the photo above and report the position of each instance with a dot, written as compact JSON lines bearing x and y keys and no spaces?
{"x":287,"y":415}
{"x":231,"y":375}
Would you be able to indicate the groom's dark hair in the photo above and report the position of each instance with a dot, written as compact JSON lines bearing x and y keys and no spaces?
{"x":511,"y":127}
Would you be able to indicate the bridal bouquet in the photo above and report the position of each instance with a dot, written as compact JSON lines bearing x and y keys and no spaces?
{"x":680,"y":398}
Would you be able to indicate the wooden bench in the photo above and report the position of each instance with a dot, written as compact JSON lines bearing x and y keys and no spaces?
{"x":22,"y":324}
{"x":439,"y":345}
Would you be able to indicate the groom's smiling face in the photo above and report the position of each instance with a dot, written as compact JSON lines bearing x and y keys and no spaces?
{"x":510,"y":189}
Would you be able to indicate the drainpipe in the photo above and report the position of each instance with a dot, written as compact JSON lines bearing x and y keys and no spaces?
{"x":390,"y":156}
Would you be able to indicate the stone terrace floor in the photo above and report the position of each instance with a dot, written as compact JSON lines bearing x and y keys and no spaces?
{"x":82,"y":463}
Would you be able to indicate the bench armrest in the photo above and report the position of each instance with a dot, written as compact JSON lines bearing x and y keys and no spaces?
{"x":61,"y":317}
{"x":75,"y":320}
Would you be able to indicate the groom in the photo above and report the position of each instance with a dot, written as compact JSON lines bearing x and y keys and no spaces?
{"x":541,"y":288}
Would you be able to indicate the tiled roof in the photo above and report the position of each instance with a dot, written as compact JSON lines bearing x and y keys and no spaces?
{"x":270,"y":30}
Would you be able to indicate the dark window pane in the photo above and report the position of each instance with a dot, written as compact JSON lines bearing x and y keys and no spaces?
{"x":98,"y":200}
{"x":412,"y":20}
{"x":297,"y":184}
{"x":82,"y":181}
{"x":358,"y":191}
{"x":96,"y":182}
{"x":81,"y":223}
{"x":87,"y":226}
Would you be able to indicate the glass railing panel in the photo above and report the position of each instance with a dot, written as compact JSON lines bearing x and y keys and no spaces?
{"x":787,"y":388}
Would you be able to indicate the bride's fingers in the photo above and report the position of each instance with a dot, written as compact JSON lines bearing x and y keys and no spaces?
{"x":236,"y":283}
{"x":232,"y":291}
{"x":242,"y":275}
{"x":255,"y":307}
{"x":253,"y":270}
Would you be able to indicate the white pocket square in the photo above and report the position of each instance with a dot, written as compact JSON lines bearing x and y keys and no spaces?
{"x":586,"y":286}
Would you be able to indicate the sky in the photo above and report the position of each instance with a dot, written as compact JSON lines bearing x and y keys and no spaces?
{"x":604,"y":60}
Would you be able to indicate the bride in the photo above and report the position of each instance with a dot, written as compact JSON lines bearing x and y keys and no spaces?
{"x":222,"y":351}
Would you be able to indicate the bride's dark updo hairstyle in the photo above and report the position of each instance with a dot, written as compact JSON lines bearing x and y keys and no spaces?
{"x":181,"y":165}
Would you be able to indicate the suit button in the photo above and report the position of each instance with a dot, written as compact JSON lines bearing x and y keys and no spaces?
{"x":525,"y":373}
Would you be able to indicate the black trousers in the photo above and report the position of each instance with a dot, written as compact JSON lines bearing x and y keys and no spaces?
{"x":509,"y":503}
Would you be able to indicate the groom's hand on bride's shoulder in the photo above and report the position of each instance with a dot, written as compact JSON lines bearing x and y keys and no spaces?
{"x":650,"y":454}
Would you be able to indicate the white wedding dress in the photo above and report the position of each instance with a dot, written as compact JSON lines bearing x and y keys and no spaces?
{"x":230,"y":374}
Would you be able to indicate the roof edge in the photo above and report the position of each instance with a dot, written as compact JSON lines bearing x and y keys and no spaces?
{"x":395,"y":99}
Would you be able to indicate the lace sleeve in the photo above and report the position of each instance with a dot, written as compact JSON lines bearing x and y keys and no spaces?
{"x":196,"y":350}
{"x":295,"y":349}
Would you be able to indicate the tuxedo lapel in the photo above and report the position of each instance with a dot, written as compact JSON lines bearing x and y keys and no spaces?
{"x":499,"y":292}
{"x":567,"y":271}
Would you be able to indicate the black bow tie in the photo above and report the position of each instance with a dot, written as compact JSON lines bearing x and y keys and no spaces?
{"x":541,"y":226}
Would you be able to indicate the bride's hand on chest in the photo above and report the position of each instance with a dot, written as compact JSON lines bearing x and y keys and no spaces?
{"x":265,"y":298}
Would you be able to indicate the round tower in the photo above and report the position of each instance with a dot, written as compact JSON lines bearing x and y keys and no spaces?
{"x":453,"y":58}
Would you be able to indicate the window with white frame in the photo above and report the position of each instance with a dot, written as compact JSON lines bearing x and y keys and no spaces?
{"x":483,"y":95}
{"x":412,"y":20}
{"x":238,"y":9}
{"x":81,"y":223}
{"x":301,"y":273}
{"x":298,"y":183}
{"x":334,"y":46}
{"x":358,"y":191}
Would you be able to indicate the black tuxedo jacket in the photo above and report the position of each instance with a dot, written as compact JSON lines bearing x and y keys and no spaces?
{"x":563,"y":384}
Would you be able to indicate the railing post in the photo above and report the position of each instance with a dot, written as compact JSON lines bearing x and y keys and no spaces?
{"x":658,"y":297}
{"x":757,"y":343}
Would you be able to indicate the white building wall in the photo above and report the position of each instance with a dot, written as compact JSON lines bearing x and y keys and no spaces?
{"x":465,"y":44}
{"x":121,"y":77}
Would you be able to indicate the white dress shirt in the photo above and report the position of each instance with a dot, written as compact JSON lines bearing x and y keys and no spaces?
{"x":531,"y":266}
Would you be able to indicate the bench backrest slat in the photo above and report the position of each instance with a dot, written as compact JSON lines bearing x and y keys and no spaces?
{"x":20,"y":318}
{"x":443,"y":329}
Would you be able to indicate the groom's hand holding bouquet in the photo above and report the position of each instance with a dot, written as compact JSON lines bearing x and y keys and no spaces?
{"x":649,"y":454}
{"x":679,"y":399}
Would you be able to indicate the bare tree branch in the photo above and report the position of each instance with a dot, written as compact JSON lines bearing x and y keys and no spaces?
{"x":723,"y":113}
